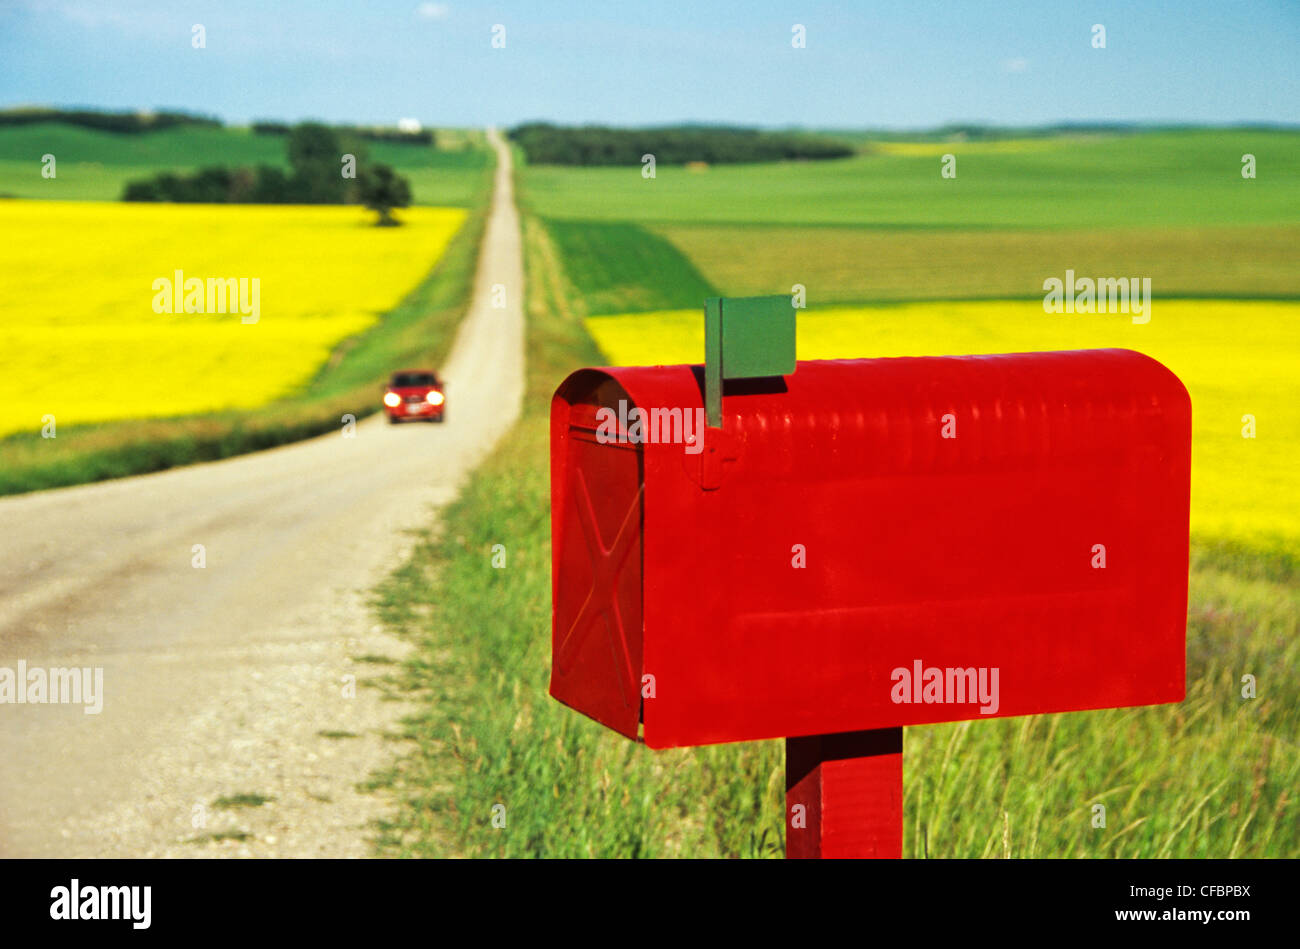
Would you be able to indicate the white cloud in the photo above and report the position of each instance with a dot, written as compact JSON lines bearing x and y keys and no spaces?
{"x":432,"y":11}
{"x":1015,"y":65}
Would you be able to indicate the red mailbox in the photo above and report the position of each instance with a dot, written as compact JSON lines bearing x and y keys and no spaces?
{"x":867,"y":544}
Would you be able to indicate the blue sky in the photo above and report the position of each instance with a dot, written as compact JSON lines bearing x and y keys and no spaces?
{"x":882,"y":65}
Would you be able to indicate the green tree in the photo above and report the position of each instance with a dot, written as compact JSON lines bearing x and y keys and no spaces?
{"x":316,"y":156}
{"x":383,"y":189}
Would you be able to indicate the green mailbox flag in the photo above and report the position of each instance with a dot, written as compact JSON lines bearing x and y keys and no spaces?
{"x":744,"y":338}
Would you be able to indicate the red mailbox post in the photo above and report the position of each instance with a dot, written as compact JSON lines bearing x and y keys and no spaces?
{"x":862,"y":545}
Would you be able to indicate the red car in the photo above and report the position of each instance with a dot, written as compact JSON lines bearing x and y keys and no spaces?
{"x":414,"y":394}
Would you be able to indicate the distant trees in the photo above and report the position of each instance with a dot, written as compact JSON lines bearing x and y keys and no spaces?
{"x":208,"y":185}
{"x":368,"y":133}
{"x":422,"y":137}
{"x":270,"y":128}
{"x":264,"y":184}
{"x":272,"y":185}
{"x":107,"y":121}
{"x":547,"y":144}
{"x":148,"y":121}
{"x":316,"y":155}
{"x":383,"y":189}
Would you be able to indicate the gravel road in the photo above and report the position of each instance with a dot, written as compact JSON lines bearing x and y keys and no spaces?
{"x":228,"y":681}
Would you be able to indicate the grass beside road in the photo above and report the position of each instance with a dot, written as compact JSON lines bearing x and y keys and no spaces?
{"x":1213,"y":776}
{"x":488,"y":733}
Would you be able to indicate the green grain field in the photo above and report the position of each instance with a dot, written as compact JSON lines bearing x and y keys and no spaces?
{"x":1172,"y":206}
{"x":1158,"y":179}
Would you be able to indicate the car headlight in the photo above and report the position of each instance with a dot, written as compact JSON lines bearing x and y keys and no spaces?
{"x":434,"y":397}
{"x":392,"y":399}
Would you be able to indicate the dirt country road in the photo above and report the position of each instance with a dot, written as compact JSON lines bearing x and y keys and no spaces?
{"x":225,"y":724}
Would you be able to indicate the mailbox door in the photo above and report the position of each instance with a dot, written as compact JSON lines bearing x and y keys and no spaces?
{"x":597,"y":492}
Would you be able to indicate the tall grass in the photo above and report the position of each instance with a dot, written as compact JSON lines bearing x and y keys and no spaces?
{"x":488,"y":733}
{"x":1214,"y":776}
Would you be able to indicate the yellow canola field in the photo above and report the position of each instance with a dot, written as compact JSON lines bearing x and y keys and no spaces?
{"x":80,"y":338}
{"x":1237,"y":358}
{"x":1005,"y":146}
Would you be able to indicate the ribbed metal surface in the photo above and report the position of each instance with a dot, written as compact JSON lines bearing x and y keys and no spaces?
{"x":885,"y":416}
{"x":830,"y":534}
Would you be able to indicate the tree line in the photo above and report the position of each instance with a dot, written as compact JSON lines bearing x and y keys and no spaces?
{"x":366,"y":132}
{"x":547,"y":144}
{"x":107,"y":121}
{"x":325,"y":167}
{"x":147,"y":121}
